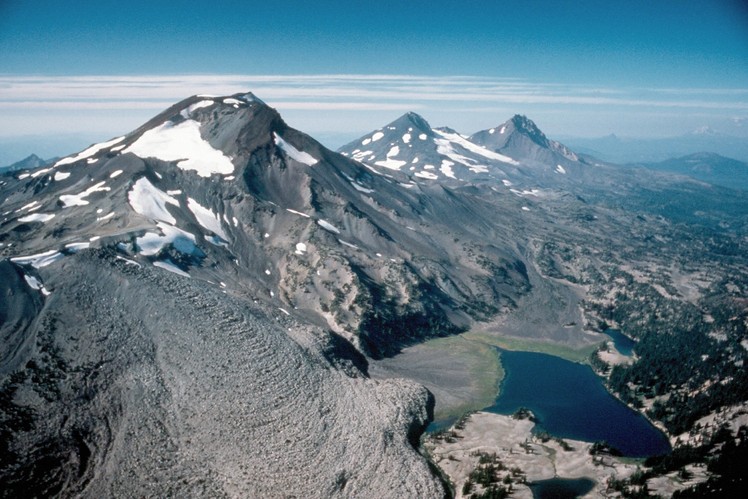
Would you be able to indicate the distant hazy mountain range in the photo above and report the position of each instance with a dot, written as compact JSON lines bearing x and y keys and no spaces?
{"x":626,"y":150}
{"x":708,"y":167}
{"x":27,"y":163}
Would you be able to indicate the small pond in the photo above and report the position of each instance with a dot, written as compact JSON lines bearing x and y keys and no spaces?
{"x":561,"y":488}
{"x":623,"y":343}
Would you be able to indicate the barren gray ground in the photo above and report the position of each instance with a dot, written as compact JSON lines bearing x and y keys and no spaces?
{"x":192,"y":393}
{"x":463,"y":375}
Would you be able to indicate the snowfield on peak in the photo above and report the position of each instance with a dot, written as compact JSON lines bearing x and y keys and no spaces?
{"x":151,"y":202}
{"x":89,"y":152}
{"x":69,"y":200}
{"x":183,"y":143}
{"x":207,"y":218}
{"x":151,"y":243}
{"x":458,"y":139}
{"x":293,"y":153}
{"x":187,"y":112}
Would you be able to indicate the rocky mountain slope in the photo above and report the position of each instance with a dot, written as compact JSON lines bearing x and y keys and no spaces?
{"x":200,"y":297}
{"x":168,"y":300}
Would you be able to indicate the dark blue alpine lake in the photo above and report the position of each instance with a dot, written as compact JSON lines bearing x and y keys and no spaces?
{"x":571,"y":402}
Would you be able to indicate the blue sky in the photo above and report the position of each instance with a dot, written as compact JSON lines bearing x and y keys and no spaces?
{"x":586,"y":68}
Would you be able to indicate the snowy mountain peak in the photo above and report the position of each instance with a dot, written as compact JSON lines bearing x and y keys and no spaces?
{"x":521,"y":138}
{"x":411,"y":121}
{"x":29,"y":162}
{"x":525,"y":125}
{"x":206,"y":134}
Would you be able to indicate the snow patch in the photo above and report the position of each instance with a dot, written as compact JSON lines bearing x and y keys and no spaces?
{"x":406,"y":138}
{"x":427,"y":175}
{"x":207,"y":218}
{"x":455,"y":138}
{"x":75,"y":247}
{"x":390,"y":163}
{"x":361,"y":188}
{"x":151,"y":243}
{"x":115,"y":174}
{"x":37,"y":217}
{"x":41,"y":172}
{"x":560,"y":169}
{"x":300,"y":248}
{"x":187,"y":112}
{"x":38,"y":260}
{"x":33,"y":205}
{"x":532,"y":192}
{"x":34,"y":283}
{"x":377,"y":136}
{"x":61,"y":176}
{"x":69,"y":200}
{"x":296,"y":213}
{"x":478,"y":168}
{"x":232,"y":101}
{"x":365,"y":142}
{"x":216,"y":241}
{"x":169,"y":265}
{"x":345,"y":243}
{"x":293,"y":153}
{"x":423,"y":136}
{"x":151,"y":202}
{"x":446,"y":169}
{"x":360,"y":156}
{"x":128,"y":261}
{"x":89,"y":152}
{"x":105,"y":217}
{"x":182,"y":143}
{"x":328,"y":226}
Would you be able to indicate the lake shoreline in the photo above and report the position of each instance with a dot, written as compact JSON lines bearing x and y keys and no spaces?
{"x":517,"y":447}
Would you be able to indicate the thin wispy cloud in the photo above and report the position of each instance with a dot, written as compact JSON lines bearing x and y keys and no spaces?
{"x":344,"y":106}
{"x":352,"y":92}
